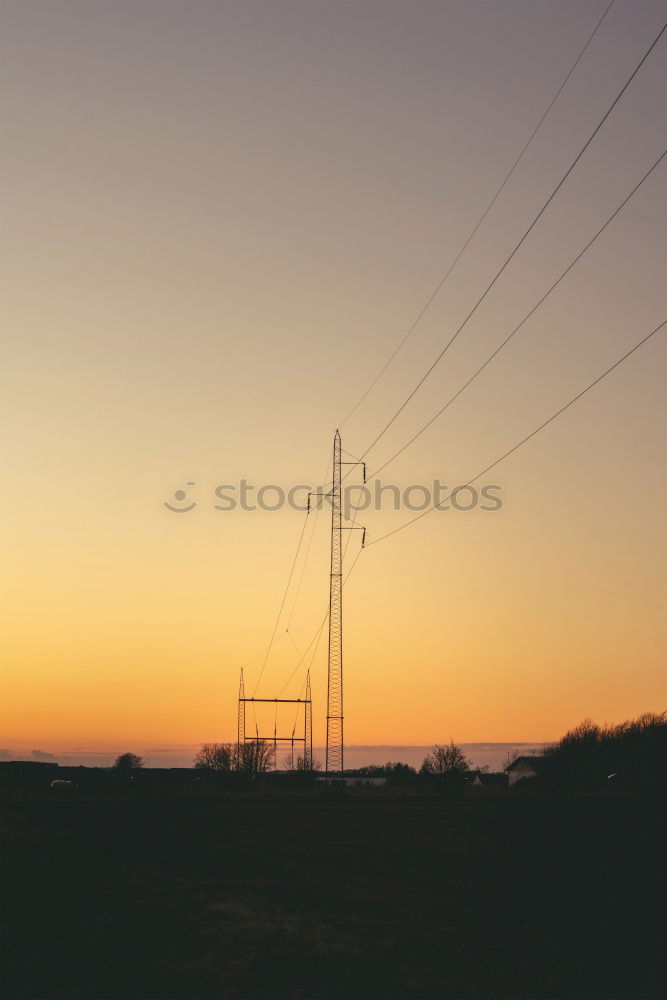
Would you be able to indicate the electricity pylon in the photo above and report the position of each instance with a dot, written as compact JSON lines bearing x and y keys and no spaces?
{"x":240,"y":729}
{"x":334,"y":750}
{"x":308,"y":728}
{"x":335,"y":741}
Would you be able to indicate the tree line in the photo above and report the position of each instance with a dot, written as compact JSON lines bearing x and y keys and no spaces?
{"x":631,"y":754}
{"x":444,"y":764}
{"x":251,"y":759}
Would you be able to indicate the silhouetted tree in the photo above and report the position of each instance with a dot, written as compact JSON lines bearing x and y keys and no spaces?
{"x":127,"y":764}
{"x":301,"y":768}
{"x":255,"y":758}
{"x":400,"y":774}
{"x":634,"y":752}
{"x":395,"y":773}
{"x":445,"y":759}
{"x":216,"y":757}
{"x":305,"y":766}
{"x":446,"y":766}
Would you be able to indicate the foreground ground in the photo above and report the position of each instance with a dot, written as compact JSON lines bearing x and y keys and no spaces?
{"x":315,"y":896}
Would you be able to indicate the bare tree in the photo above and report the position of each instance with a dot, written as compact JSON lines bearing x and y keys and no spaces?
{"x":255,"y":757}
{"x":216,"y":757}
{"x":446,"y":764}
{"x":307,"y":765}
{"x":445,"y":760}
{"x":301,"y":765}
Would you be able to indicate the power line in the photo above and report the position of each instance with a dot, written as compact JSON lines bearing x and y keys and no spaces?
{"x":282,"y":603}
{"x":318,"y":631}
{"x":523,"y":238}
{"x":481,"y":219}
{"x":261,"y":652}
{"x":284,"y":598}
{"x":316,"y":635}
{"x":305,"y":560}
{"x":291,"y":639}
{"x":458,"y":331}
{"x":524,"y":320}
{"x":523,"y":440}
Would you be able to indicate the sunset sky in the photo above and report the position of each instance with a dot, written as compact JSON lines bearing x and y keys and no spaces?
{"x":219,"y":220}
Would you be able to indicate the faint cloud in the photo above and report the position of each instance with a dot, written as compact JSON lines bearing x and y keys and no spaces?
{"x":6,"y":755}
{"x":174,"y":749}
{"x":43,"y":755}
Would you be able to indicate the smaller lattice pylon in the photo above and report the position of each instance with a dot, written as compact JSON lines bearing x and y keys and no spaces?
{"x":308,"y":728}
{"x":240,"y":731}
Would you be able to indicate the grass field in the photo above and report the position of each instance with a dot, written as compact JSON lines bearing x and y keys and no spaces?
{"x":372,"y":895}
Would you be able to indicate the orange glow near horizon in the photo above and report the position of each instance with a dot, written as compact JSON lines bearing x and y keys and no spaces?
{"x":214,"y":240}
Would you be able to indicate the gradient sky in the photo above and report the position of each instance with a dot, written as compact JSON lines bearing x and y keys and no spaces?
{"x":219,"y":220}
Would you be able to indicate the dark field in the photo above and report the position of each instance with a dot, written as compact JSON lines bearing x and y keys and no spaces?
{"x":312,"y":896}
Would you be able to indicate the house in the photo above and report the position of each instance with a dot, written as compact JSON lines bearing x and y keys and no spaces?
{"x":487,"y":780}
{"x":524,"y":768}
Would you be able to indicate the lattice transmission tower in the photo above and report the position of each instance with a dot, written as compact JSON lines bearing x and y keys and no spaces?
{"x":308,"y":727}
{"x":240,"y":728}
{"x":335,"y":736}
{"x":334,"y":750}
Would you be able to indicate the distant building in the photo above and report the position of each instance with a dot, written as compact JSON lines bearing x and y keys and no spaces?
{"x":495,"y":780}
{"x":357,"y":779}
{"x":365,"y":779}
{"x":524,"y":768}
